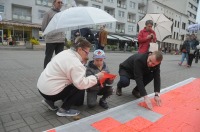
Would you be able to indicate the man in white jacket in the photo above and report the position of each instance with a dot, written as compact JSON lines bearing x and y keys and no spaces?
{"x":64,"y":78}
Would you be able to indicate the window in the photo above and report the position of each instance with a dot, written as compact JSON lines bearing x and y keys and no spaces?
{"x":132,"y":4}
{"x":130,"y":28}
{"x":1,"y":8}
{"x":174,"y":35}
{"x":175,"y":24}
{"x":109,"y":25}
{"x":44,"y":2}
{"x":21,"y":13}
{"x":183,"y":25}
{"x":121,"y":14}
{"x":40,"y":14}
{"x":97,"y":6}
{"x":178,"y":24}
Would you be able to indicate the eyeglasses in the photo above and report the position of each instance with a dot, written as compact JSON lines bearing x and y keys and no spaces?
{"x":87,"y":53}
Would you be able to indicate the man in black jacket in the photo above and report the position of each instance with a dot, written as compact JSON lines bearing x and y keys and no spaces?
{"x":143,"y":68}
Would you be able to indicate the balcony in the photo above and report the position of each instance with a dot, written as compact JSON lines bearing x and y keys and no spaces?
{"x":131,"y":20}
{"x":141,"y":11}
{"x":119,"y":30}
{"x":121,"y":6}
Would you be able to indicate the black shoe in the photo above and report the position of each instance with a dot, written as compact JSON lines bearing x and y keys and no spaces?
{"x":103,"y":104}
{"x":119,"y":91}
{"x":136,"y":93}
{"x":50,"y":105}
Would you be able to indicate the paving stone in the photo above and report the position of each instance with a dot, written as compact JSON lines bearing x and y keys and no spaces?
{"x":39,"y":124}
{"x":30,"y":120}
{"x":16,"y":116}
{"x":15,"y":126}
{"x":38,"y":118}
{"x":25,"y":129}
{"x":6,"y":118}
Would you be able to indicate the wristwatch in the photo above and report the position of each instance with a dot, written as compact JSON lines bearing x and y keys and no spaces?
{"x":156,"y":94}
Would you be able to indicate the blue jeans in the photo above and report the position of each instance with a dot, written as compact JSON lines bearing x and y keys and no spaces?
{"x":184,"y":55}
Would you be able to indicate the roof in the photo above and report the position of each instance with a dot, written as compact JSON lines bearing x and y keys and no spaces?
{"x":120,"y":37}
{"x":14,"y":23}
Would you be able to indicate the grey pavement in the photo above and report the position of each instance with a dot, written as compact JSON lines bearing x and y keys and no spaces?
{"x":21,"y":109}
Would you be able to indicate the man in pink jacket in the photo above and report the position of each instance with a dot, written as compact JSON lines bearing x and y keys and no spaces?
{"x":145,"y":37}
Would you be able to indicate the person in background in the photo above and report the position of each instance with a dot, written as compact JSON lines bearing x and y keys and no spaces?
{"x":193,"y":44}
{"x":185,"y":50}
{"x":145,"y":37}
{"x":102,"y":37}
{"x":54,"y":41}
{"x":64,"y":78}
{"x":142,"y":68}
{"x":95,"y":66}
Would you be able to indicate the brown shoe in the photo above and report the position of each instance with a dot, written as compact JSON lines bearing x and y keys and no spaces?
{"x":119,"y":91}
{"x":136,"y":93}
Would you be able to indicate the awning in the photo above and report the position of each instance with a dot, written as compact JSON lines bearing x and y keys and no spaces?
{"x":128,"y":37}
{"x":110,"y":37}
{"x":14,"y":23}
{"x":120,"y":38}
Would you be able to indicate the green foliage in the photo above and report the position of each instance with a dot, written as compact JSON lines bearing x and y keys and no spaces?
{"x":132,"y":48}
{"x":108,"y":47}
{"x":113,"y":47}
{"x":34,"y":41}
{"x":69,"y":44}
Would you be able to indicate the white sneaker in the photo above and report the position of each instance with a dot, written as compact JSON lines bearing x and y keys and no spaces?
{"x":70,"y":112}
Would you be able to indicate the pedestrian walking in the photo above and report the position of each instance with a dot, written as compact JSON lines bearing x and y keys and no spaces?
{"x":102,"y":37}
{"x":185,"y":49}
{"x":193,"y":44}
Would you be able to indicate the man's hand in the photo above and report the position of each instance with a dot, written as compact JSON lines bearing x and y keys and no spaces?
{"x":158,"y":100}
{"x":148,"y":102}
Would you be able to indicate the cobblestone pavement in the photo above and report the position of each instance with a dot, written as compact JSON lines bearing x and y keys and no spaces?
{"x":21,"y":109}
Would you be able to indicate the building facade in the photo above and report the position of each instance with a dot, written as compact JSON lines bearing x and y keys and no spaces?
{"x":21,"y":19}
{"x":127,"y":12}
{"x":181,"y":12}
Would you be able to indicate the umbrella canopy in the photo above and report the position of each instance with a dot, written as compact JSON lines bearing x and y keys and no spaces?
{"x":77,"y":17}
{"x":193,"y":28}
{"x":162,"y":25}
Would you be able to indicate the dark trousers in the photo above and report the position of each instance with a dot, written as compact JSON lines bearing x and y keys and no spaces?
{"x":100,"y":47}
{"x":70,"y":96}
{"x":92,"y":95}
{"x":125,"y":81}
{"x":190,"y":59}
{"x":50,"y":48}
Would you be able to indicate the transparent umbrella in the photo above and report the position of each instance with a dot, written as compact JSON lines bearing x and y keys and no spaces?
{"x":76,"y":18}
{"x":162,"y":25}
